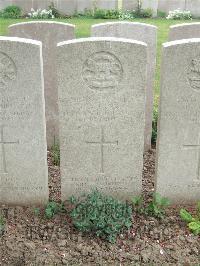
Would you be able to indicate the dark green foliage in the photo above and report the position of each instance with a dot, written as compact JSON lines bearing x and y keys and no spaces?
{"x":145,"y":13}
{"x":102,"y":215}
{"x":98,"y":13}
{"x":11,"y":12}
{"x":2,"y":225}
{"x":156,"y":207}
{"x":55,"y":12}
{"x":53,"y":208}
{"x":193,"y":223}
{"x":161,"y":14}
{"x":37,"y":211}
{"x":154,"y":125}
{"x":55,"y":151}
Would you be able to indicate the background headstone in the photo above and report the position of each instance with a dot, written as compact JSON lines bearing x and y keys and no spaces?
{"x":49,"y":33}
{"x":140,"y":32}
{"x":184,"y":31}
{"x":23,"y":162}
{"x":102,"y":104}
{"x":178,"y":145}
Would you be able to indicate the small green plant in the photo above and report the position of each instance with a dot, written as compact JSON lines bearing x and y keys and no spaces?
{"x":2,"y":225}
{"x":11,"y":12}
{"x":36,"y":211}
{"x":193,"y":223}
{"x":161,"y":14}
{"x":179,"y":14}
{"x":53,"y":208}
{"x":156,"y":207}
{"x":102,"y":215}
{"x":146,"y":13}
{"x":55,"y":151}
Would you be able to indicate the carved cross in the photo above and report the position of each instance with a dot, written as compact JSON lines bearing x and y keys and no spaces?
{"x":3,"y":143}
{"x":102,"y":144}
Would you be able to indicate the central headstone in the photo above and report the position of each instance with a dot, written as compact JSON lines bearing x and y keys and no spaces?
{"x":49,"y":33}
{"x":144,"y":33}
{"x":23,"y":162}
{"x":101,"y":104}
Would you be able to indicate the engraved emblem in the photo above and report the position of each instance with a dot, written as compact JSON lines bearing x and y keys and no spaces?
{"x":194,"y":74}
{"x":8,"y":71}
{"x":102,"y":71}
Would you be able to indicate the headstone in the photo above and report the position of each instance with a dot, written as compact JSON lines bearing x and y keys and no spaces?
{"x":178,"y":146}
{"x":101,"y":85}
{"x":141,"y":32}
{"x":23,"y":163}
{"x":184,"y":31}
{"x":49,"y":33}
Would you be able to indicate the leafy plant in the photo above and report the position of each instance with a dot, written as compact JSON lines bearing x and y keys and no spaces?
{"x":41,"y":14}
{"x":156,"y":207}
{"x":102,"y":215}
{"x":55,"y":151}
{"x":36,"y":211}
{"x":193,"y":223}
{"x":53,"y":208}
{"x":179,"y":14}
{"x":146,"y":13}
{"x":2,"y":225}
{"x":11,"y":12}
{"x":161,"y":14}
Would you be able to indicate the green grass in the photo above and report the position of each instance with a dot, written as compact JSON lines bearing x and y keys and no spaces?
{"x":83,"y":26}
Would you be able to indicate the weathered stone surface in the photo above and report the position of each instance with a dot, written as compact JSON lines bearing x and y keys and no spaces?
{"x":49,"y":33}
{"x":184,"y":31}
{"x":141,"y":32}
{"x":102,"y":104}
{"x":23,"y":163}
{"x":178,"y":146}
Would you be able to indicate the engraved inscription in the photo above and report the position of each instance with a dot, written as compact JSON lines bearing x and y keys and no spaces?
{"x":102,"y":71}
{"x":197,"y":148}
{"x":3,"y":143}
{"x":102,"y":143}
{"x":194,"y":74}
{"x":8,"y":71}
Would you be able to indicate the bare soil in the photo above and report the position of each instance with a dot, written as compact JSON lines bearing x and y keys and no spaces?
{"x":34,"y":240}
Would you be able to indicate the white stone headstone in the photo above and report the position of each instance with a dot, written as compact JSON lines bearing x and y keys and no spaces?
{"x":184,"y":31}
{"x":23,"y":162}
{"x":140,"y":32}
{"x":178,"y":145}
{"x":101,"y":84}
{"x":49,"y":33}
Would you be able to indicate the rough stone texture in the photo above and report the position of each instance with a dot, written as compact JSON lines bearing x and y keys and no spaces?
{"x":23,"y":162}
{"x":141,"y":32}
{"x":49,"y":33}
{"x":184,"y":31}
{"x":178,"y":146}
{"x":101,"y":104}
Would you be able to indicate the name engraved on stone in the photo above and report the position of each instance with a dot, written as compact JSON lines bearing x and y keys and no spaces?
{"x":102,"y":143}
{"x":194,"y":74}
{"x":102,"y":71}
{"x":197,"y":148}
{"x":3,"y":143}
{"x":8,"y":70}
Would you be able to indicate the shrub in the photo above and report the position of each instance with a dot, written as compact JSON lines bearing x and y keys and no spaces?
{"x":179,"y":14}
{"x":11,"y":12}
{"x":145,"y":13}
{"x":161,"y":14}
{"x":53,"y":208}
{"x":41,"y":14}
{"x":55,"y":12}
{"x":102,"y":215}
{"x":123,"y":15}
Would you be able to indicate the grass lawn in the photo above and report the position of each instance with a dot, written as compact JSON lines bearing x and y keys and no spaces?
{"x":83,"y":30}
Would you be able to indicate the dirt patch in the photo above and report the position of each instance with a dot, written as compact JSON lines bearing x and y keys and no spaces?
{"x":31,"y":240}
